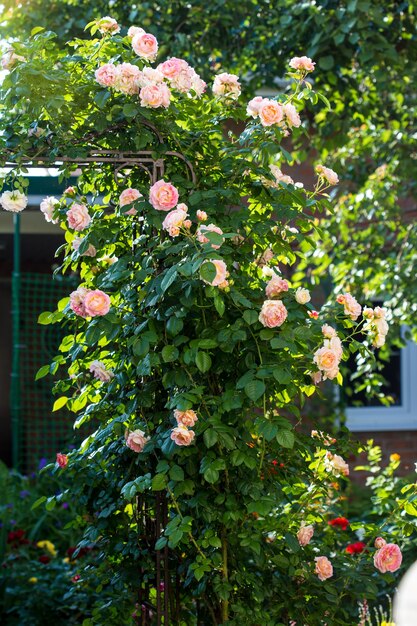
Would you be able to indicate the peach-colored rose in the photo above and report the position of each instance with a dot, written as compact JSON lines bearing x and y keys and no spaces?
{"x":183,"y":81}
{"x":279,"y":176}
{"x":134,"y":30}
{"x":305,"y":535}
{"x":186,"y":418}
{"x":226,"y":86}
{"x":327,"y":360}
{"x":187,"y":224}
{"x":221,"y":272}
{"x":253,"y":106}
{"x":106,"y":75}
{"x":273,"y":313}
{"x":198,"y":84}
{"x":379,"y":542}
{"x":337,"y":464}
{"x":127,"y":78}
{"x":96,"y":302}
{"x":128,"y":196}
{"x":108,"y":26}
{"x":145,"y":46}
{"x":276,"y":287}
{"x":172,"y":67}
{"x":174,"y":221}
{"x":99,"y":371}
{"x":270,"y":112}
{"x":302,"y":296}
{"x":61,"y":459}
{"x":351,"y":306}
{"x":209,"y":228}
{"x":201,"y":216}
{"x":149,"y":76}
{"x":76,"y":243}
{"x":78,"y":217}
{"x":47,"y":207}
{"x":327,"y":174}
{"x":77,"y":301}
{"x":328,"y":331}
{"x":302,"y":63}
{"x":291,"y":115}
{"x":136,"y":440}
{"x":70,"y":191}
{"x":324,"y":568}
{"x":388,"y":558}
{"x":368,"y":313}
{"x":163,"y":196}
{"x":182,"y":436}
{"x":155,"y":96}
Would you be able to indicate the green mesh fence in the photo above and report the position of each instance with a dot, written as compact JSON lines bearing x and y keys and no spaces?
{"x":40,"y":433}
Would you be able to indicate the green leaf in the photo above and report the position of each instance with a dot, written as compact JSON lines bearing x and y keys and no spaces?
{"x":169,"y":354}
{"x":130,"y":109}
{"x":208,"y":271}
{"x":158,"y":482}
{"x":42,"y":371}
{"x":36,"y":30}
{"x":250,"y":317}
{"x":59,"y":403}
{"x":176,"y":473}
{"x":254,"y":389}
{"x":37,"y":502}
{"x":169,"y":278}
{"x":268,"y":430}
{"x":203,"y":361}
{"x":326,"y":63}
{"x":211,"y":475}
{"x":286,"y":438}
{"x":174,"y":326}
{"x":219,"y":304}
{"x":46,"y":318}
{"x":292,"y":542}
{"x":210,"y":437}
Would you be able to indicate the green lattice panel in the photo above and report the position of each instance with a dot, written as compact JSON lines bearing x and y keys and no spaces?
{"x":41,"y":432}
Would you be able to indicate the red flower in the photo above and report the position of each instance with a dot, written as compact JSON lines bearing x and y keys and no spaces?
{"x":75,"y":578}
{"x":17,"y":537}
{"x":342,"y":522}
{"x":44,"y":559}
{"x":356,"y":548}
{"x":62,"y":459}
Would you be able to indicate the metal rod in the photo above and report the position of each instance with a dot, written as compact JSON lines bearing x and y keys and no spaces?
{"x":15,"y":375}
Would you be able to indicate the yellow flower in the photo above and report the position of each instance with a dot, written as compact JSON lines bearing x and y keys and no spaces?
{"x":33,"y":580}
{"x":393,"y":458}
{"x":48,"y":546}
{"x":388,"y":623}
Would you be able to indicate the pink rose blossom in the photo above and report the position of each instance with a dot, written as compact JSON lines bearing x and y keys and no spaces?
{"x":279,"y":176}
{"x":70,"y":191}
{"x":77,"y":301}
{"x":379,"y":542}
{"x":276,"y":287}
{"x":327,"y":360}
{"x":327,"y":174}
{"x":270,"y":112}
{"x":76,"y":243}
{"x":328,"y":331}
{"x":96,"y":303}
{"x":108,"y":26}
{"x":336,"y":464}
{"x":62,"y":459}
{"x":47,"y":207}
{"x":134,"y":30}
{"x":106,"y":75}
{"x":127,"y":78}
{"x":201,"y":216}
{"x":273,"y":313}
{"x":187,"y":224}
{"x":186,"y":418}
{"x":149,"y":76}
{"x":155,"y":96}
{"x":351,"y":306}
{"x":388,"y":558}
{"x":99,"y":371}
{"x":172,"y":67}
{"x":163,"y":196}
{"x":145,"y":46}
{"x":226,"y":86}
{"x":212,"y":228}
{"x":198,"y":84}
{"x":305,"y":535}
{"x":324,"y":568}
{"x":174,"y":221}
{"x":302,"y":296}
{"x":182,"y":436}
{"x":183,"y":81}
{"x":253,"y":106}
{"x":136,"y":440}
{"x":302,"y":63}
{"x":78,"y":217}
{"x":128,"y":196}
{"x":221,"y":272}
{"x":291,"y":115}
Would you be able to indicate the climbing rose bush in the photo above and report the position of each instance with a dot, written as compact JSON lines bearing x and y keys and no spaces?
{"x":191,"y":348}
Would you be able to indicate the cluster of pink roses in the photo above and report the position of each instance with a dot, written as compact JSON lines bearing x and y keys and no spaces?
{"x":272,"y":113}
{"x":352,"y":308}
{"x":89,"y":302}
{"x":327,"y":175}
{"x":226,"y":86}
{"x":328,"y":357}
{"x":182,"y":434}
{"x":376,"y":325}
{"x":176,"y":219}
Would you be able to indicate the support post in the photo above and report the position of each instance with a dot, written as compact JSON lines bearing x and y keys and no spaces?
{"x":15,"y":374}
